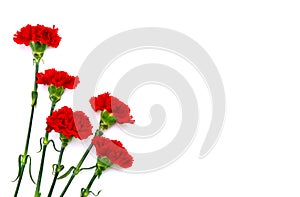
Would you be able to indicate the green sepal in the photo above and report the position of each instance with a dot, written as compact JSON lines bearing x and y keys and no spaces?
{"x":55,"y":93}
{"x":107,"y":120}
{"x":64,"y":140}
{"x":38,"y":50}
{"x":34,"y":96}
{"x":102,"y":164}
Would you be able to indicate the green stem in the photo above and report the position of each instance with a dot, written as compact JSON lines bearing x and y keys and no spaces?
{"x":29,"y":130}
{"x":58,"y":168}
{"x":45,"y":142}
{"x":38,"y":185}
{"x":37,"y":64}
{"x":20,"y":179}
{"x":24,"y":160}
{"x":85,"y":192}
{"x":77,"y":169}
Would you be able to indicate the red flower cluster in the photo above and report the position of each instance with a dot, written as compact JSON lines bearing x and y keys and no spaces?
{"x":113,"y":150}
{"x":113,"y":105}
{"x":38,"y":33}
{"x":69,"y":123}
{"x":57,"y":78}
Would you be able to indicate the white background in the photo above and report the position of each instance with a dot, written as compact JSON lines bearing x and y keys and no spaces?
{"x":255,"y":45}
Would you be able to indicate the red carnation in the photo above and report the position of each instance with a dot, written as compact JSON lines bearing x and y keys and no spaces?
{"x":38,"y":33}
{"x":69,"y":123}
{"x":121,"y":111}
{"x":101,"y":102}
{"x":113,"y":150}
{"x":113,"y":105}
{"x":57,"y":79}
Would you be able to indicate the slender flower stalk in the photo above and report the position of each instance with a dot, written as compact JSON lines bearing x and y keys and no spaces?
{"x":23,"y":158}
{"x":77,"y":169}
{"x":44,"y":148}
{"x":58,"y":167}
{"x":102,"y":164}
{"x":86,"y":191}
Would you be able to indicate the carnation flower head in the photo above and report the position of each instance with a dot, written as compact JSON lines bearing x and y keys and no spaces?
{"x":101,"y":102}
{"x":106,"y":102}
{"x":39,"y":33}
{"x":112,"y":150}
{"x":57,"y":79}
{"x":121,"y":111}
{"x":38,"y":38}
{"x":69,"y":124}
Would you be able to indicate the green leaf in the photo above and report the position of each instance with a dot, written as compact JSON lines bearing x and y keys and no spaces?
{"x":53,"y":144}
{"x":95,"y":194}
{"x":30,"y":174}
{"x":19,"y":168}
{"x":41,"y":144}
{"x":81,"y":169}
{"x":67,"y":173}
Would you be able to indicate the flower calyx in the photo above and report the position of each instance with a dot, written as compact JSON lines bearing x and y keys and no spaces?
{"x":107,"y":120}
{"x":38,"y":50}
{"x":102,"y":164}
{"x":55,"y":93}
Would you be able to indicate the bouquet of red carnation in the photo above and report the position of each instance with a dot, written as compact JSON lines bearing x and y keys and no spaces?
{"x":69,"y":124}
